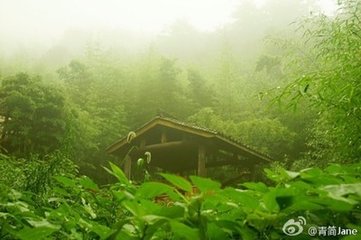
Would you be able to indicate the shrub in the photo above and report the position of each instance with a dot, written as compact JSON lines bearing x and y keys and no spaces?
{"x":76,"y":208}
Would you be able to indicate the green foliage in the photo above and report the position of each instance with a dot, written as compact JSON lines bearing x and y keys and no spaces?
{"x":158,"y":90}
{"x":116,"y":83}
{"x":35,"y":173}
{"x":328,"y":78}
{"x":76,"y":208}
{"x":267,"y":135}
{"x":201,"y":93}
{"x":34,"y":116}
{"x":97,"y":106}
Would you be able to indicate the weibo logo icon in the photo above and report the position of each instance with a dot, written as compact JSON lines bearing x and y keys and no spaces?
{"x":294,"y":227}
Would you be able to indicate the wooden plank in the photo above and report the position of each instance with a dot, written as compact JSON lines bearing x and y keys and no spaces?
{"x":202,"y":171}
{"x":165,"y":145}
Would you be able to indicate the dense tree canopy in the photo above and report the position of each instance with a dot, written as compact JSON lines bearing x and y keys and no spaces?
{"x":251,"y":95}
{"x":330,"y":82}
{"x":34,"y":116}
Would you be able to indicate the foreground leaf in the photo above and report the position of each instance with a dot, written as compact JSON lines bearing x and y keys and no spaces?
{"x":178,"y":181}
{"x":205,"y":184}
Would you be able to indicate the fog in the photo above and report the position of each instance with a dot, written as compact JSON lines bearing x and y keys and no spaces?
{"x":27,"y":22}
{"x":41,"y":24}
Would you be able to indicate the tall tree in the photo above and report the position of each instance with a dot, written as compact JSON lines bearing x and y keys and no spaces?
{"x":200,"y":91}
{"x":332,"y":83}
{"x":34,"y":115}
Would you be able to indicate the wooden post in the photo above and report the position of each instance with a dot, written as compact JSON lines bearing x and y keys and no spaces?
{"x":202,"y":171}
{"x":128,"y":167}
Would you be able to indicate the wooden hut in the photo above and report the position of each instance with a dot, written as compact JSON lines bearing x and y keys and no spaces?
{"x":176,"y":146}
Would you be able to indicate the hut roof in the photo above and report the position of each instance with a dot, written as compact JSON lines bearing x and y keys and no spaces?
{"x":207,"y":133}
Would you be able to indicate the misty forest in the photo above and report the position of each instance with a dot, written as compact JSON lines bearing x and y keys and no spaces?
{"x":121,"y":130}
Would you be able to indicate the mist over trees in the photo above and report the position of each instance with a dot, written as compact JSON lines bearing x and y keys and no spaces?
{"x":280,"y":76}
{"x":229,"y":79}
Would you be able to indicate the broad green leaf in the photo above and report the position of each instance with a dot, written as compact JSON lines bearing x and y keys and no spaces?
{"x":171,"y":212}
{"x":154,"y":227}
{"x":67,"y":182}
{"x":342,"y":191}
{"x":125,"y":235}
{"x":270,"y":203}
{"x":245,"y":198}
{"x":248,"y":233}
{"x":292,"y":174}
{"x":102,"y":230}
{"x":285,"y":201}
{"x":141,"y":207}
{"x":84,"y":223}
{"x":257,"y":186}
{"x":318,"y":177}
{"x":118,"y":173}
{"x":149,"y":190}
{"x":87,"y":183}
{"x":37,"y":233}
{"x":279,"y":198}
{"x":231,"y":226}
{"x":151,"y":219}
{"x":122,"y":195}
{"x":301,"y":203}
{"x":335,"y":169}
{"x":333,"y":204}
{"x":183,"y":231}
{"x":280,"y":175}
{"x":216,"y":232}
{"x":205,"y":184}
{"x":133,"y":207}
{"x":177,"y":181}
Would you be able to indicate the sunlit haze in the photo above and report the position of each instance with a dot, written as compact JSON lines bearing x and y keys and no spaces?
{"x":48,"y":19}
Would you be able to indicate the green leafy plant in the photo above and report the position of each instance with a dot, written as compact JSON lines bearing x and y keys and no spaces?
{"x":179,"y":208}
